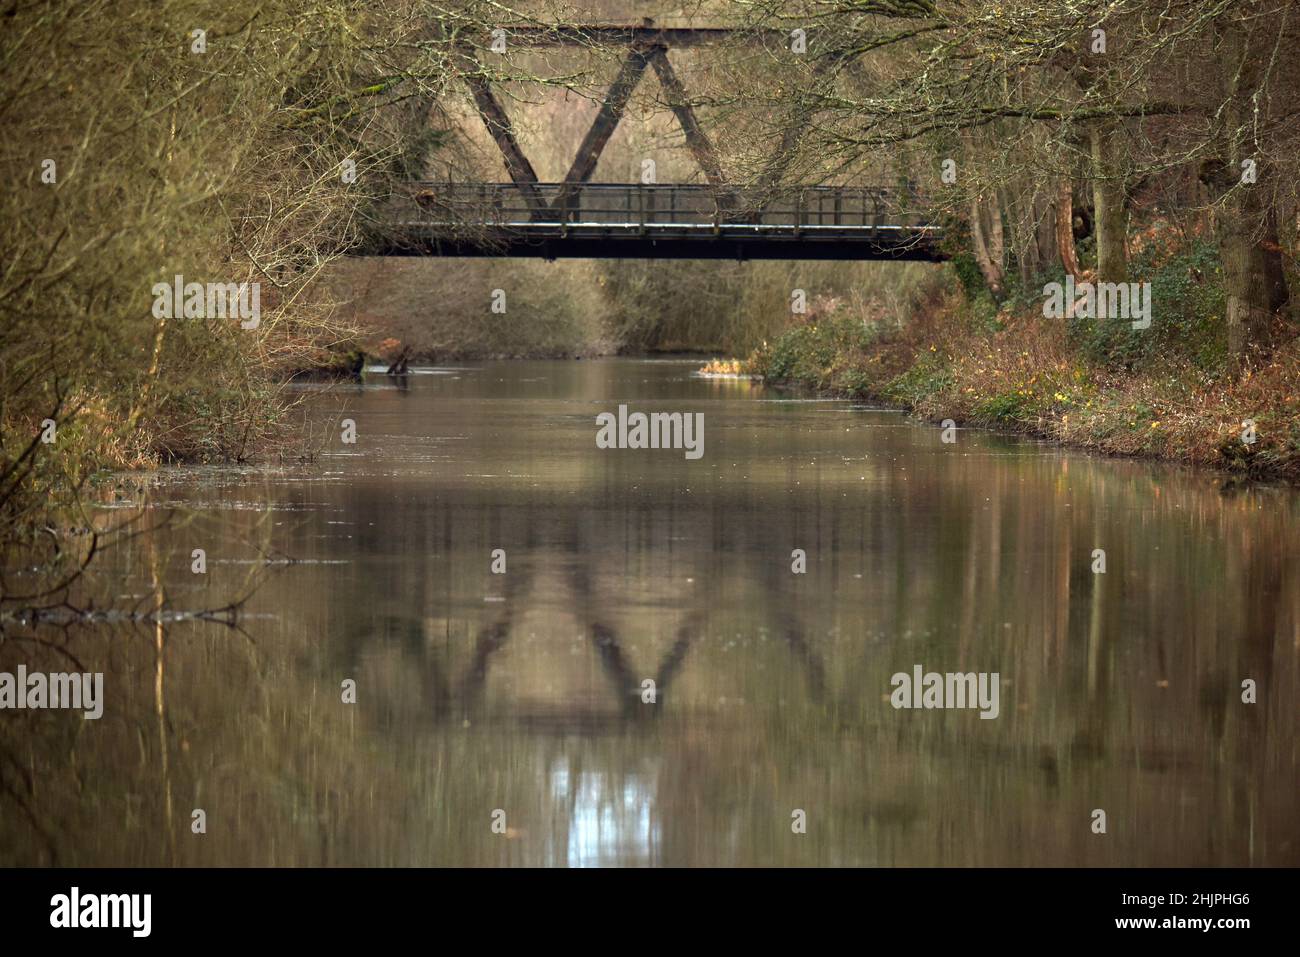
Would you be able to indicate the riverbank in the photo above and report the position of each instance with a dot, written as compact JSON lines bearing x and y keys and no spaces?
{"x":1082,"y":384}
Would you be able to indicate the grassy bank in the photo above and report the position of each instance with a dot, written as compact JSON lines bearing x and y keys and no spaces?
{"x":1162,"y":392}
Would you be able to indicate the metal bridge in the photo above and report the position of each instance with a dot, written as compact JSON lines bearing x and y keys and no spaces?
{"x":578,"y":218}
{"x":613,"y":221}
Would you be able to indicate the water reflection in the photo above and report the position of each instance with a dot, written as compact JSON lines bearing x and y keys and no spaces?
{"x":525,"y":692}
{"x":609,"y":822}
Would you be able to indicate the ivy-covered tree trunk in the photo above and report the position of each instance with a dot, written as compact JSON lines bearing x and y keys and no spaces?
{"x":1254,"y":283}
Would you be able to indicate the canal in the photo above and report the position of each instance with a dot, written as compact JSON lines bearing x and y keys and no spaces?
{"x":473,"y":637}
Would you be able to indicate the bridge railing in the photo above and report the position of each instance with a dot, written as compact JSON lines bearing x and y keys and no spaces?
{"x":566,"y":206}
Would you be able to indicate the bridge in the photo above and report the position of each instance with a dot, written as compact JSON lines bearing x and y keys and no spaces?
{"x":618,"y":221}
{"x":578,"y":218}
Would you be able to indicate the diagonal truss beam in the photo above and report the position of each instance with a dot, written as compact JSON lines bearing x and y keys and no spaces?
{"x":497,"y":122}
{"x":606,"y":121}
{"x":696,"y":140}
{"x":602,"y":128}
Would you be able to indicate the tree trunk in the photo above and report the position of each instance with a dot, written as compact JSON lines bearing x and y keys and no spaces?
{"x":989,"y":253}
{"x":1247,"y":303}
{"x":1274,"y":268}
{"x":1065,"y":228}
{"x":1109,"y":202}
{"x":1254,"y":282}
{"x":1045,"y":230}
{"x":1034,"y":237}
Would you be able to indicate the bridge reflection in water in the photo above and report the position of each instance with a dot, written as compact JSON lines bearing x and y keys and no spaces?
{"x":632,"y":221}
{"x":522,"y":691}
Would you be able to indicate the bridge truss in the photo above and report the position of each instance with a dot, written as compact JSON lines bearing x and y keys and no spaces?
{"x":577,"y":218}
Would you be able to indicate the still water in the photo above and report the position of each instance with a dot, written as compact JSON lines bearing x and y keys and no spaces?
{"x":502,"y":718}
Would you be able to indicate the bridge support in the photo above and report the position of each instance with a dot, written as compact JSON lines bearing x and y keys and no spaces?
{"x":647,"y":46}
{"x":607,"y":119}
{"x":498,"y":124}
{"x":579,"y":218}
{"x":696,"y":140}
{"x":603,"y":126}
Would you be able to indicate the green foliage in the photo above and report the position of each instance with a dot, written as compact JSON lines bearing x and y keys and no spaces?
{"x":1005,"y":407}
{"x":853,"y":380}
{"x":1187,"y":309}
{"x":928,"y":376}
{"x":968,"y":274}
{"x":810,"y":353}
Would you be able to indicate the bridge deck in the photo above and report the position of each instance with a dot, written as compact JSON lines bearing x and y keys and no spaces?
{"x":619,"y":221}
